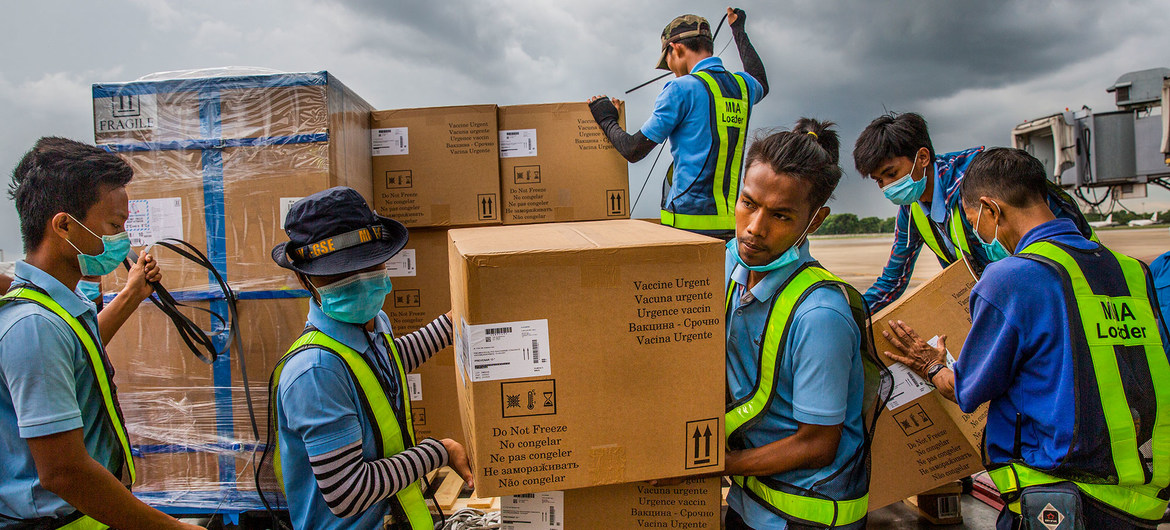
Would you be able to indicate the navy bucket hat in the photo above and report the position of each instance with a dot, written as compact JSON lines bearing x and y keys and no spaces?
{"x":335,"y":232}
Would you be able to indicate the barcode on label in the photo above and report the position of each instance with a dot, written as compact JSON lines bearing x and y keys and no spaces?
{"x":497,"y":331}
{"x":948,"y":506}
{"x":525,"y":495}
{"x":535,"y":352}
{"x":552,"y":515}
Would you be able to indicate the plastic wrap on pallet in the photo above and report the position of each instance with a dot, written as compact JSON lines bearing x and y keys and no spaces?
{"x":188,"y":422}
{"x":218,"y":160}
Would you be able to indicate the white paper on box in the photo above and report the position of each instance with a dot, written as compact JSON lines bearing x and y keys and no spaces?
{"x":517,"y":143}
{"x":506,"y":350}
{"x":950,"y":358}
{"x":389,"y":142}
{"x":414,"y":386}
{"x":286,"y":205}
{"x":151,"y":220}
{"x":402,"y":264}
{"x":533,"y":511}
{"x":134,"y":112}
{"x":908,"y":386}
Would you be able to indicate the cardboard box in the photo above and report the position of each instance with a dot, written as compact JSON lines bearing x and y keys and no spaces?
{"x":228,"y":156}
{"x":941,"y":505}
{"x":437,"y":166}
{"x":557,"y":165}
{"x":923,"y":440}
{"x":189,"y":420}
{"x":422,"y":292}
{"x":588,"y":353}
{"x":694,"y":504}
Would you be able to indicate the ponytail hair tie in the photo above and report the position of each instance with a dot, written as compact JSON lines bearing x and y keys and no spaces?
{"x":814,"y":135}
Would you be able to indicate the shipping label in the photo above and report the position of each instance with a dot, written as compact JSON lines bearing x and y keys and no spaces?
{"x":137,"y":112}
{"x":389,"y":142}
{"x":152,"y":220}
{"x":414,"y":386}
{"x":403,"y":264}
{"x":286,"y":204}
{"x":533,"y":511}
{"x":506,"y":350}
{"x":908,"y":386}
{"x":518,"y":143}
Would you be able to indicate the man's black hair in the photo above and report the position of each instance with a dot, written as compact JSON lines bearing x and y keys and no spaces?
{"x":1005,"y":174}
{"x":889,"y":136}
{"x":61,"y":175}
{"x":698,"y":43}
{"x":810,"y":157}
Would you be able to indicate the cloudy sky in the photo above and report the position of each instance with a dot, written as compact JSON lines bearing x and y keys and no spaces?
{"x":973,"y":69}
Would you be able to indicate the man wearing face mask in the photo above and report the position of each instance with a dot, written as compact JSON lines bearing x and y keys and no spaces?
{"x":895,"y":151}
{"x":797,"y":348}
{"x":1069,"y":347}
{"x":66,"y":460}
{"x":346,"y":453}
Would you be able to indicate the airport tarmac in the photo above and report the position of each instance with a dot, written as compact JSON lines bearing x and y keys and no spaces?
{"x":859,"y":260}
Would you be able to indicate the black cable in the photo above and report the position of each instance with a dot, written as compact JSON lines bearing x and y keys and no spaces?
{"x":713,"y":37}
{"x":647,"y":179}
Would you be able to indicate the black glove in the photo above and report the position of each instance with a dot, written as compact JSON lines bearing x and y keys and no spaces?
{"x":602,"y":110}
{"x":741,"y":18}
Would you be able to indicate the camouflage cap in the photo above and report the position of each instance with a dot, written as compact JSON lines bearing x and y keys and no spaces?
{"x":682,"y":27}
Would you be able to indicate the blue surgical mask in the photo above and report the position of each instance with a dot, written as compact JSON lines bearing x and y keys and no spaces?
{"x":906,"y":190}
{"x":114,"y":250}
{"x":356,"y":299}
{"x":787,"y":258}
{"x":995,"y":250}
{"x":89,"y":290}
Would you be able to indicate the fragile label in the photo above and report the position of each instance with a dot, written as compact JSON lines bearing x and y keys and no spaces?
{"x":286,"y":204}
{"x":136,"y":112}
{"x":402,"y":264}
{"x":152,"y":220}
{"x":908,"y":386}
{"x":414,"y":386}
{"x":506,"y":350}
{"x":533,"y":511}
{"x":517,"y":143}
{"x":389,"y":142}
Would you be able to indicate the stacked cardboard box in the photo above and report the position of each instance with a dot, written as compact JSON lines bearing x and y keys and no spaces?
{"x":693,"y":504}
{"x":589,"y":354}
{"x":923,"y":440}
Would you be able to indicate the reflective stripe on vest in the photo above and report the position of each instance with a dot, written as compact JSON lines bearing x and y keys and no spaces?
{"x":727,"y":114}
{"x":1106,"y":323}
{"x":930,"y":234}
{"x":744,"y":413}
{"x":388,"y":430}
{"x":97,"y":362}
{"x":83,"y":523}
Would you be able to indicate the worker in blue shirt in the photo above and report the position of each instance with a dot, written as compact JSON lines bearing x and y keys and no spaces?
{"x":796,"y":436}
{"x":346,"y":453}
{"x":67,"y":460}
{"x":704,"y":112}
{"x":1074,"y":365}
{"x":1160,"y":269}
{"x":895,"y":151}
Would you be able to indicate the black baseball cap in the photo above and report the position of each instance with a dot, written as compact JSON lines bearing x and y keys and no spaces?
{"x":335,"y":232}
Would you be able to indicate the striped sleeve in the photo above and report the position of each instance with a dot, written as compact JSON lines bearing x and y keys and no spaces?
{"x":351,"y":485}
{"x":896,"y":275}
{"x":416,"y":348}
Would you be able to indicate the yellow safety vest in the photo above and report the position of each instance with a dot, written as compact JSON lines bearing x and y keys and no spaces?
{"x":105,"y":383}
{"x":729,"y":125}
{"x":393,"y":432}
{"x":741,"y":415}
{"x":1108,"y":327}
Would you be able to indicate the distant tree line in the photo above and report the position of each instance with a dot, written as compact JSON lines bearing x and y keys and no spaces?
{"x":1122,"y":217}
{"x":847,"y":223}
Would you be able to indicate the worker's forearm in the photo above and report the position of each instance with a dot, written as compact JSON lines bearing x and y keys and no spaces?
{"x":944,"y":381}
{"x":787,"y":454}
{"x":90,"y":488}
{"x":751,"y":60}
{"x":114,"y":314}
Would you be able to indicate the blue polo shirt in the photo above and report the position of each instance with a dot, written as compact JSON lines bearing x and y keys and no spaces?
{"x":821,"y":380}
{"x":318,"y":410}
{"x":682,"y":113}
{"x":1018,"y":354}
{"x":46,"y":387}
{"x":1160,"y":270}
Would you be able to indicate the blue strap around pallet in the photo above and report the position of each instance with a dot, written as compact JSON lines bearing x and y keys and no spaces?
{"x":244,"y":82}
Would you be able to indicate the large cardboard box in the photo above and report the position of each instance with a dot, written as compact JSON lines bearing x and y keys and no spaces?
{"x":923,"y":440}
{"x":188,"y":420}
{"x":437,"y":166}
{"x":693,"y":504}
{"x":588,"y":353}
{"x":218,"y":161}
{"x":422,"y":292}
{"x":557,"y":165}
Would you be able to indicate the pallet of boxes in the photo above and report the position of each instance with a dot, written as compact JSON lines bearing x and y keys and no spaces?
{"x":217,"y":162}
{"x":579,"y":341}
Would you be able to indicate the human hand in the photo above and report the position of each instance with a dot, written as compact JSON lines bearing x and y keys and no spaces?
{"x":735,"y":15}
{"x":915,"y":353}
{"x":138,"y":281}
{"x":457,"y":459}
